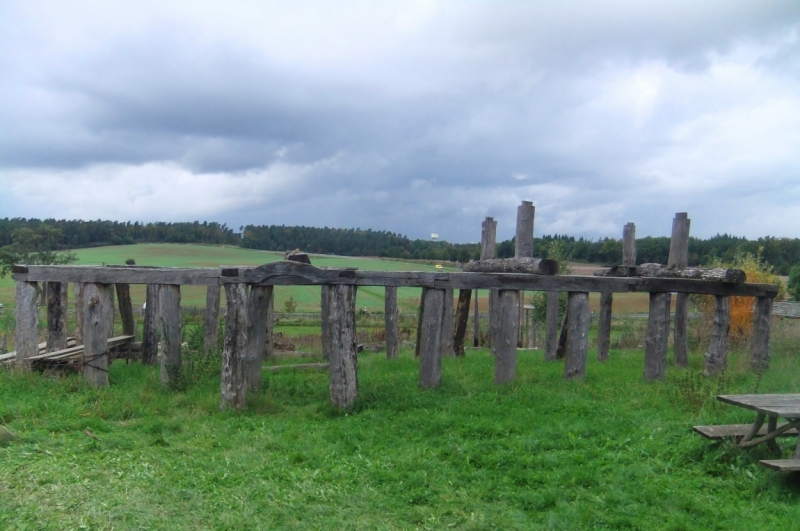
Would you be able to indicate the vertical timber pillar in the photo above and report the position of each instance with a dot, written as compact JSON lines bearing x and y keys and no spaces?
{"x":578,"y":320}
{"x":523,"y":248}
{"x":341,"y":334}
{"x":125,"y":309}
{"x":169,"y":297}
{"x":476,"y":325}
{"x":488,"y":245}
{"x":150,"y":328}
{"x":27,"y":314}
{"x":604,"y":326}
{"x":232,"y":385}
{"x":462,"y":316}
{"x":759,"y":345}
{"x":447,"y":325}
{"x":257,"y":322}
{"x":211,"y":333}
{"x":717,"y":355}
{"x":390,"y":322}
{"x":430,"y":363}
{"x":57,"y":293}
{"x":98,"y":306}
{"x":551,"y":327}
{"x":79,"y":313}
{"x":655,"y":344}
{"x":629,"y":244}
{"x":503,"y":324}
{"x":678,"y":258}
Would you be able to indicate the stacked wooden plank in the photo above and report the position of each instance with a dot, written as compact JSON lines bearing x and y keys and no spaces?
{"x":68,"y":356}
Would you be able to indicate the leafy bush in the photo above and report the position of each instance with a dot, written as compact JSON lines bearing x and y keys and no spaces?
{"x":794,"y":283}
{"x":130,"y":261}
{"x":290,"y":305}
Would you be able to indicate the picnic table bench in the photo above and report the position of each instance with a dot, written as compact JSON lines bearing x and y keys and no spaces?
{"x":769,"y":408}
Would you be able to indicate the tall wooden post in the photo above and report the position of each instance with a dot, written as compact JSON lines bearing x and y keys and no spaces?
{"x":27,"y":332}
{"x":488,"y":244}
{"x":503,"y":323}
{"x":390,"y":322}
{"x":462,"y":316}
{"x":551,"y":327}
{"x":79,"y":313}
{"x":420,"y":317}
{"x":211,"y":332}
{"x":169,"y":297}
{"x":717,"y":355}
{"x":232,"y":385}
{"x":268,"y":341}
{"x":125,"y":309}
{"x":523,"y":248}
{"x":629,"y":244}
{"x":341,"y":327}
{"x":57,"y":294}
{"x":678,"y":258}
{"x":97,"y":308}
{"x":447,"y":325}
{"x":604,"y":326}
{"x":476,"y":325}
{"x":324,"y":303}
{"x":578,"y":320}
{"x":430,"y":364}
{"x":150,"y":328}
{"x":655,"y":345}
{"x":257,"y":323}
{"x":759,"y":343}
{"x":112,"y":313}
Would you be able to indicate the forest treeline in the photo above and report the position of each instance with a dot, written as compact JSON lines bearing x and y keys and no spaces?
{"x":781,"y":253}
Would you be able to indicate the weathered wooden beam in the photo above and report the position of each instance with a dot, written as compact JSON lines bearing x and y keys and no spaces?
{"x":420,"y":312}
{"x":488,"y":236}
{"x":447,"y":325}
{"x":531,"y":266}
{"x":551,"y":327}
{"x":604,"y":326}
{"x":97,"y":308}
{"x":681,"y":341}
{"x":462,"y":317}
{"x":430,"y":343}
{"x":343,"y":369}
{"x":734,"y":276}
{"x":57,"y":294}
{"x":679,"y":242}
{"x":324,"y":318}
{"x":117,"y":274}
{"x":79,"y":313}
{"x":523,"y":242}
{"x":27,"y":314}
{"x":268,"y":333}
{"x":578,"y":319}
{"x":150,"y":327}
{"x":169,"y":297}
{"x":679,"y":259}
{"x":258,"y":303}
{"x":717,"y":355}
{"x":503,"y":323}
{"x":112,"y":314}
{"x":125,"y":309}
{"x":233,"y":389}
{"x":759,"y":342}
{"x":655,"y":345}
{"x":211,"y":332}
{"x":703,"y":287}
{"x":629,"y":244}
{"x":390,"y":322}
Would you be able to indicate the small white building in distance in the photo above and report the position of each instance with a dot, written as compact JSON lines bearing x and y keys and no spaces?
{"x":434,"y":236}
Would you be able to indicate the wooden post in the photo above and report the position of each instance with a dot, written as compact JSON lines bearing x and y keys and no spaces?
{"x":430,"y":364}
{"x":679,"y":258}
{"x":488,"y":244}
{"x":629,"y":244}
{"x":97,"y":308}
{"x":169,"y":297}
{"x":150,"y":328}
{"x":551,"y":325}
{"x":79,"y":313}
{"x":503,"y":323}
{"x":578,"y":320}
{"x":57,"y":293}
{"x":476,"y":324}
{"x":112,"y":312}
{"x":27,"y":314}
{"x":655,"y":344}
{"x":759,"y":343}
{"x":343,"y":367}
{"x":420,"y":313}
{"x":447,"y":325}
{"x":604,"y":326}
{"x":717,"y":355}
{"x":462,"y":316}
{"x":211,"y":332}
{"x":257,"y":323}
{"x":125,"y":309}
{"x":324,"y":318}
{"x":523,"y":242}
{"x":390,"y":322}
{"x":268,"y":344}
{"x":232,"y":385}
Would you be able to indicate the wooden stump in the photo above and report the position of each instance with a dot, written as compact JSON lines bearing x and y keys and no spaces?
{"x":97,"y":313}
{"x":447,"y":325}
{"x":681,"y":343}
{"x":390,"y":322}
{"x":27,"y":314}
{"x":629,"y":244}
{"x":258,"y":303}
{"x":125,"y":309}
{"x":503,"y":324}
{"x":57,"y":294}
{"x":604,"y":326}
{"x":523,"y":247}
{"x":717,"y":355}
{"x":655,"y":344}
{"x":232,"y":384}
{"x":341,"y":335}
{"x":759,"y":343}
{"x":551,"y":327}
{"x":211,"y":332}
{"x":462,"y":316}
{"x":79,"y":313}
{"x":169,"y":297}
{"x":430,"y":344}
{"x":150,"y":328}
{"x":578,"y":320}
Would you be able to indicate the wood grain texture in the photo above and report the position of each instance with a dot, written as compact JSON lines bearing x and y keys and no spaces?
{"x":233,"y":390}
{"x":551,"y":327}
{"x":390,"y":322}
{"x":97,"y":306}
{"x":629,"y":244}
{"x":679,"y":242}
{"x":430,"y":343}
{"x":57,"y":294}
{"x":650,"y":270}
{"x":211,"y":321}
{"x":447,"y":325}
{"x":578,"y":319}
{"x":150,"y":335}
{"x":343,"y":369}
{"x":681,"y":337}
{"x":462,"y":318}
{"x":79,"y":314}
{"x":258,"y":302}
{"x":759,"y":342}
{"x":503,"y":323}
{"x":717,"y":354}
{"x":27,"y":314}
{"x":169,"y":297}
{"x":655,"y":344}
{"x":125,"y":309}
{"x":121,"y":274}
{"x":488,"y":235}
{"x":531,"y":266}
{"x":604,"y":326}
{"x":523,"y":242}
{"x":476,"y":323}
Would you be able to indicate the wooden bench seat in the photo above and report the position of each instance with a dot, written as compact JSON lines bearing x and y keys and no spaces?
{"x":735,"y":431}
{"x":783,"y":465}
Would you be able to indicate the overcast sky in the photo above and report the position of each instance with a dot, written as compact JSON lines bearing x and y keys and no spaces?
{"x":414,"y":116}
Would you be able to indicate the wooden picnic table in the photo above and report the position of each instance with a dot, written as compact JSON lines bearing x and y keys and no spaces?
{"x":769,"y":408}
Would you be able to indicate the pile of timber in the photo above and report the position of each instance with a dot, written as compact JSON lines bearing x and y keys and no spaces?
{"x":533,"y":266}
{"x":70,"y":356}
{"x":729,"y":276}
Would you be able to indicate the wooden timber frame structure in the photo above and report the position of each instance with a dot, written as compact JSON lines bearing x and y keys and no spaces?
{"x":248,"y":319}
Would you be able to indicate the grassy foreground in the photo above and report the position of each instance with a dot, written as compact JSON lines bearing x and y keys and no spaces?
{"x":608,"y":453}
